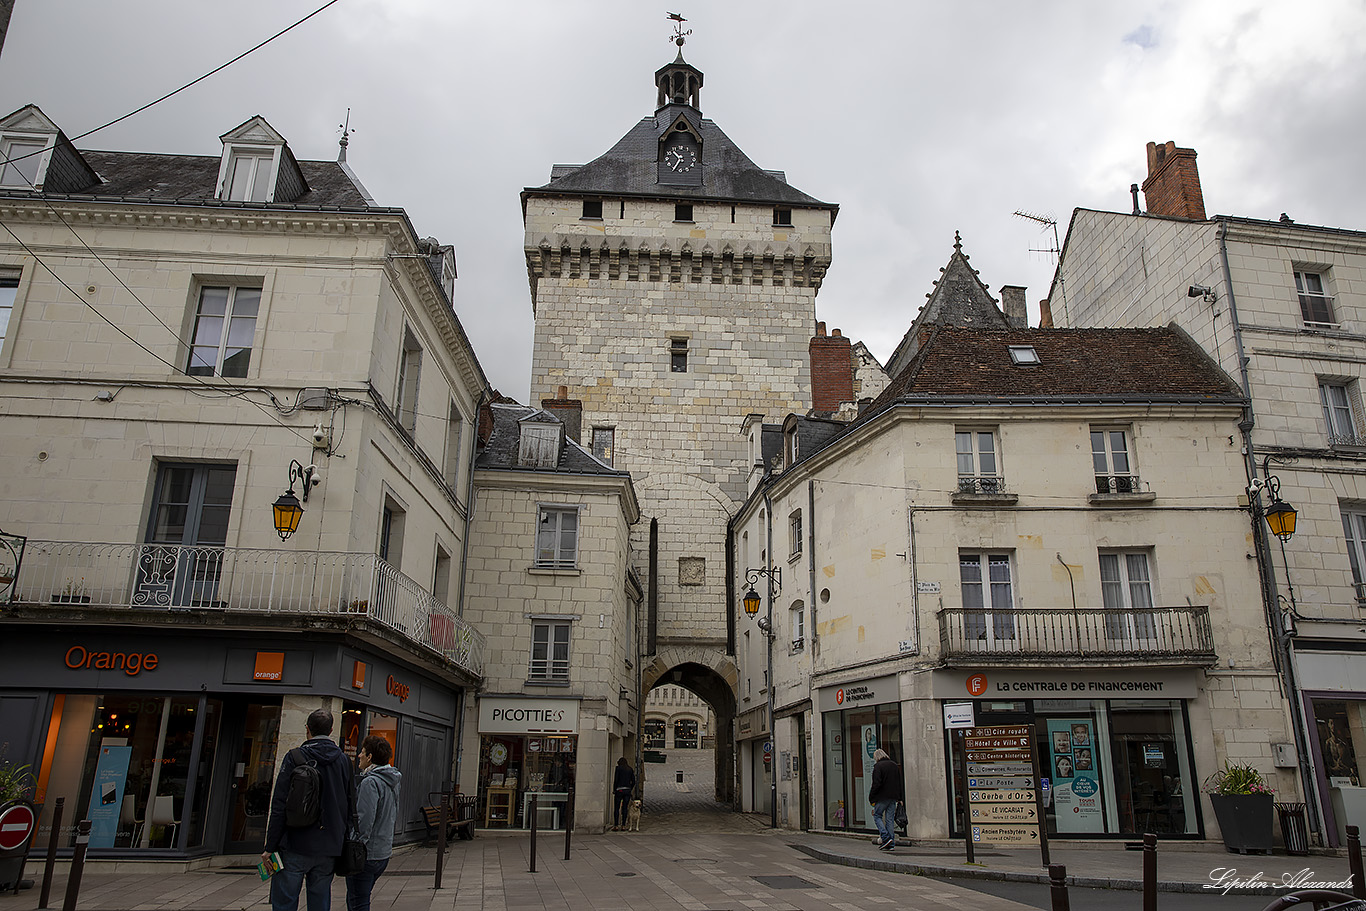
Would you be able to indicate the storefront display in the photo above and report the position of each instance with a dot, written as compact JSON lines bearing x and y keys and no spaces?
{"x":857,"y":720}
{"x":526,"y":747}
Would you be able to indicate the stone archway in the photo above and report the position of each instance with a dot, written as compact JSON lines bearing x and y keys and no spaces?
{"x":712,"y":676}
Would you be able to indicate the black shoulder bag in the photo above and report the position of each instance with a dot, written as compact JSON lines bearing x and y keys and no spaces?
{"x":353,"y":857}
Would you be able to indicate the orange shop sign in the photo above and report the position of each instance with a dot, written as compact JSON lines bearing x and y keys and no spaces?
{"x":78,"y":657}
{"x":269,"y":666}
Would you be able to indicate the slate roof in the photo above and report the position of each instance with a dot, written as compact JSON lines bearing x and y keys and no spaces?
{"x":629,"y":168}
{"x":194,"y":179}
{"x":1075,"y":365}
{"x":500,"y":450}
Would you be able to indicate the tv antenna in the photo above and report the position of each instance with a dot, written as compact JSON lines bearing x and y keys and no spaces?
{"x":679,"y":35}
{"x":1055,"y":252}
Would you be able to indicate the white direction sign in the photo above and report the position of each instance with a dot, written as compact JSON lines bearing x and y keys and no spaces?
{"x":1010,"y":782}
{"x":1003,"y":813}
{"x":1000,"y":768}
{"x":1006,"y":835}
{"x":995,"y":795}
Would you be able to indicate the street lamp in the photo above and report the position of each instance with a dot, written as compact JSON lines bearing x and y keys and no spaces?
{"x":287,"y":509}
{"x":765,"y":624}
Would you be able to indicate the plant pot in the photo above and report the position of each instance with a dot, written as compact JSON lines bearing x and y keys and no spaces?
{"x":70,"y":599}
{"x":1245,"y":821}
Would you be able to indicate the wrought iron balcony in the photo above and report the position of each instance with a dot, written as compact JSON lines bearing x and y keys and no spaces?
{"x":982,"y":486}
{"x":1086,"y":634}
{"x":165,"y":576}
{"x":1118,"y":483}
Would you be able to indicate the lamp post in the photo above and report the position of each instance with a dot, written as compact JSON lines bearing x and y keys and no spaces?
{"x":1280,"y":518}
{"x":287,"y":508}
{"x":751,"y":602}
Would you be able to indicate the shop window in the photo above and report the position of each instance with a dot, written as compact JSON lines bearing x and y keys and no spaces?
{"x":512,"y":767}
{"x":1126,"y":591}
{"x":654,"y":734}
{"x":549,"y":651}
{"x":850,"y":737}
{"x":988,"y":599}
{"x":1337,"y":752}
{"x":685,"y":734}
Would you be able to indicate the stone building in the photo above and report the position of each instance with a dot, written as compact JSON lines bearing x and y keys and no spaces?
{"x":674,"y":284}
{"x":1041,"y":525}
{"x":676,"y":718}
{"x":182,"y":338}
{"x":1280,"y":306}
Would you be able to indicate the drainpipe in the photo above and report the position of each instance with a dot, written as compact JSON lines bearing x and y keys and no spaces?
{"x":464,"y":574}
{"x":811,"y":565}
{"x":772,"y":684}
{"x":1280,"y":639}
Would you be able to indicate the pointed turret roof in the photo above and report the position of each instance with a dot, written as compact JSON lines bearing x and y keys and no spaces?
{"x":959,"y":298}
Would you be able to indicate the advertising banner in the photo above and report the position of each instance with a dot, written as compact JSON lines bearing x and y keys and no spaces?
{"x":106,"y":798}
{"x":1074,"y":764}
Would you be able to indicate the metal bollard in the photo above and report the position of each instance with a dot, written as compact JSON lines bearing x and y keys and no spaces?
{"x":1354,"y":858}
{"x":1149,"y":872}
{"x":73,"y":880}
{"x":568,"y":821}
{"x":441,"y":837}
{"x":533,"y":832}
{"x":54,"y":833}
{"x":1057,"y":881}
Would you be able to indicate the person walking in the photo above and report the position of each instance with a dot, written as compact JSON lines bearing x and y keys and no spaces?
{"x":623,"y":784}
{"x":376,"y":810}
{"x":309,"y":851}
{"x":884,"y":794}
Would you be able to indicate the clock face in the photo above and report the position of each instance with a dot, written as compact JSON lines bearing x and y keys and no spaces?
{"x":680,"y":158}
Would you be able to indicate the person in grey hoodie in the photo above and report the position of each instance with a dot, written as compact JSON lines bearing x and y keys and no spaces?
{"x":376,"y":809}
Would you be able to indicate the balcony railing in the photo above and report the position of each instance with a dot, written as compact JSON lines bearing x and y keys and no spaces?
{"x":1118,"y":483}
{"x":982,"y":485}
{"x":152,"y":576}
{"x":1089,"y":633}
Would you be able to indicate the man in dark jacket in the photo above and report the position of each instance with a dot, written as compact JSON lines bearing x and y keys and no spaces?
{"x":310,"y":852}
{"x":884,"y":794}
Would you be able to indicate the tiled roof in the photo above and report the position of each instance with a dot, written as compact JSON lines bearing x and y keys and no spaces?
{"x":500,"y":451}
{"x":1113,"y":365}
{"x":630,"y":168}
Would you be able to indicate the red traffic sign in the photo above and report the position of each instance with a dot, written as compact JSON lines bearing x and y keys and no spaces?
{"x":16,"y":825}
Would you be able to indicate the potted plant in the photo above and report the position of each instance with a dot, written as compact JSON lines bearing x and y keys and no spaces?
{"x":74,"y":593}
{"x":1243,"y":804}
{"x":16,"y":781}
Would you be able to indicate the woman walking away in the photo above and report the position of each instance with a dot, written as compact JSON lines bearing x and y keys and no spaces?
{"x":884,"y":794}
{"x":376,"y":809}
{"x":623,"y":783}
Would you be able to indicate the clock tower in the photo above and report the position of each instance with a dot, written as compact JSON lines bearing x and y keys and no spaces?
{"x":673,"y":283}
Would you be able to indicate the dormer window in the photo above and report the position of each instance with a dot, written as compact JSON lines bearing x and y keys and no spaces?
{"x":1024,"y":355}
{"x":249,"y":173}
{"x":28,"y":140}
{"x":21,"y":158}
{"x":539,"y":445}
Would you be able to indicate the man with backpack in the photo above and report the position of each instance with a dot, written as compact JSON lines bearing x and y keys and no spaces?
{"x":308,"y":818}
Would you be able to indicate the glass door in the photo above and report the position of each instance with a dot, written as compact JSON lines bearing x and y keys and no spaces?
{"x":182,"y":561}
{"x":252,"y":777}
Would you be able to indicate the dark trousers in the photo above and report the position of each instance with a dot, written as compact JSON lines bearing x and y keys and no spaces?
{"x":621,"y":800}
{"x":286,"y":883}
{"x":359,"y":885}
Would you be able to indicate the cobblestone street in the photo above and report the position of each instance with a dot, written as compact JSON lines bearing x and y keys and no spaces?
{"x":671,"y":806}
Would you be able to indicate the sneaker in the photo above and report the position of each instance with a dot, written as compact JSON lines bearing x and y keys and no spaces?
{"x":886,"y":846}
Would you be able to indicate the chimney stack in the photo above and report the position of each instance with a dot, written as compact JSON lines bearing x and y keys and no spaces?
{"x":832,"y":371}
{"x":1017,"y":313}
{"x":568,"y":410}
{"x":1045,"y":314}
{"x":1172,"y":187}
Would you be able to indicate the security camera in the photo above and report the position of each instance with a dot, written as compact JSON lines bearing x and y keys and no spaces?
{"x":321,"y":438}
{"x":1198,"y":291}
{"x":312,"y":476}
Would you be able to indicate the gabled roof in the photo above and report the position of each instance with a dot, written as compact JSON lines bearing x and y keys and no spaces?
{"x":1075,"y":365}
{"x":500,"y":450}
{"x":959,"y":299}
{"x":629,"y":168}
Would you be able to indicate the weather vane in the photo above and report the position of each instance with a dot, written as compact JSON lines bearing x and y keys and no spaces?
{"x":346,"y":131}
{"x":679,"y":35}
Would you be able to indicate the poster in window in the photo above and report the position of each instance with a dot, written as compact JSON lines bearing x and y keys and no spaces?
{"x":1077,"y":777}
{"x":106,"y":797}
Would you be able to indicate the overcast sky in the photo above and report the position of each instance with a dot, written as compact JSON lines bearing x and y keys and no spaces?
{"x":917,"y":118}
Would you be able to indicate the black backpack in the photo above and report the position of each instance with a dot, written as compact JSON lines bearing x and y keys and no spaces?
{"x":303,"y":803}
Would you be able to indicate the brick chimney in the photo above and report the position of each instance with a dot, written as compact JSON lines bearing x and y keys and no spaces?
{"x":1017,"y":314}
{"x":568,"y":410}
{"x":832,"y":371}
{"x":1173,"y":184}
{"x":1045,"y":314}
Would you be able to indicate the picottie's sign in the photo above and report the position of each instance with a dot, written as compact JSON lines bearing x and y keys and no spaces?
{"x":509,"y":715}
{"x":79,"y":657}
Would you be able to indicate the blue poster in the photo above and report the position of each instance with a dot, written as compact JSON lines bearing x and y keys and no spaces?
{"x":106,"y":797}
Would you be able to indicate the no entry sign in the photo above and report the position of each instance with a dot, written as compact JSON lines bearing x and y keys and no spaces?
{"x":16,"y":825}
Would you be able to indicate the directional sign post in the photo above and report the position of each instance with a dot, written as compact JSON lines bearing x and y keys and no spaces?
{"x":1001,"y":777}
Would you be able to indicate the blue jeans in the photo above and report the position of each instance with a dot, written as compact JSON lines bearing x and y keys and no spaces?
{"x":358,"y":885}
{"x":884,"y":817}
{"x":285,"y":885}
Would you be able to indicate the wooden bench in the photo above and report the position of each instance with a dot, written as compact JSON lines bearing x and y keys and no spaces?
{"x":459,"y":819}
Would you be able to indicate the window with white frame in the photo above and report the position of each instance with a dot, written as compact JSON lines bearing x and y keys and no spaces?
{"x":1342,"y":412}
{"x":20,"y":159}
{"x":1316,"y":307}
{"x":1354,"y":527}
{"x":794,"y":534}
{"x":1110,"y":459}
{"x":978,"y":469}
{"x":557,"y":537}
{"x":224,"y":328}
{"x":549,"y":651}
{"x":249,"y":172}
{"x":798,"y":622}
{"x":1126,"y":591}
{"x":409,"y":372}
{"x":988,"y":597}
{"x":451,"y":461}
{"x":9,"y":290}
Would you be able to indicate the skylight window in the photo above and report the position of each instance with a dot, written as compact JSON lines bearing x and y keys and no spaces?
{"x":1024,"y":355}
